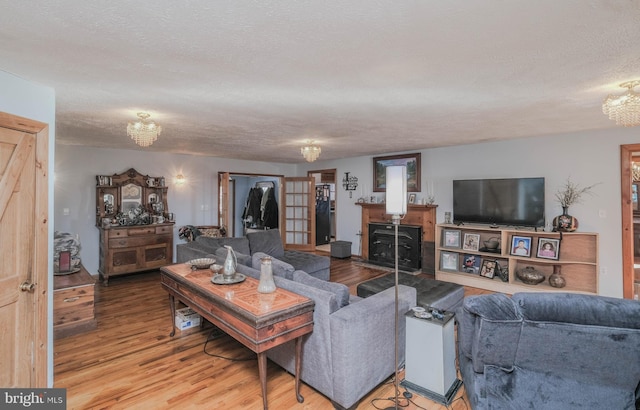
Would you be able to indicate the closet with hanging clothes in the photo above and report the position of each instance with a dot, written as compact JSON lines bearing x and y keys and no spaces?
{"x":261,"y":207}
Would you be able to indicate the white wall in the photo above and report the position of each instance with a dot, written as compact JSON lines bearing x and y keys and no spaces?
{"x":194,"y":203}
{"x":588,"y":157}
{"x":36,"y":102}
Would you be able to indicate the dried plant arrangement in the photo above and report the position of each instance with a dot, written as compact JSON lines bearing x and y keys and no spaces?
{"x":572,"y":193}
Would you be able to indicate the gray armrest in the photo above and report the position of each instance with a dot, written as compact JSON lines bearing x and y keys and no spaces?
{"x":363,"y":341}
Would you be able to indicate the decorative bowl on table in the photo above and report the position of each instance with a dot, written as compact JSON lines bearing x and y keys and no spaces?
{"x":201,"y":263}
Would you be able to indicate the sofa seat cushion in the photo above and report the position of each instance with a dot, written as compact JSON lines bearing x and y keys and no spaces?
{"x":268,"y":242}
{"x":239,"y":244}
{"x":341,"y":291}
{"x":307,"y":262}
{"x":278,"y":267}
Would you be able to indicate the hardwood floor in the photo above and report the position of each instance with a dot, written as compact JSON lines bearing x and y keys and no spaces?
{"x":130,"y":362}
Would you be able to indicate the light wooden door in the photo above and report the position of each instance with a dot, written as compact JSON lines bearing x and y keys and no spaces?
{"x":223,"y":202}
{"x":299,"y":214}
{"x":23,"y":252}
{"x":626,"y":178}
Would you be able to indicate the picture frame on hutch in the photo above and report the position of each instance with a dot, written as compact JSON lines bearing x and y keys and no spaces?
{"x":451,"y":238}
{"x":488,"y":269}
{"x":521,"y":245}
{"x":449,"y":261}
{"x":471,"y":242}
{"x":548,"y":248}
{"x":411,"y":161}
{"x":471,"y":264}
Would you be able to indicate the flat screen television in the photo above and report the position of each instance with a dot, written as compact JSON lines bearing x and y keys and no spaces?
{"x":509,"y":201}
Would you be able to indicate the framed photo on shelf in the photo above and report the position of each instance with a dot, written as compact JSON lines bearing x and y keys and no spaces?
{"x":471,"y":264}
{"x":488,"y":269}
{"x":412,"y":198}
{"x":451,"y":238}
{"x":471,"y":242}
{"x":548,"y":248}
{"x":411,"y":161}
{"x":449,"y":261}
{"x":521,"y":245}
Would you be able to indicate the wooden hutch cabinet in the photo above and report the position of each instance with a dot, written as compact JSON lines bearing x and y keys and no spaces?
{"x":132,"y":216}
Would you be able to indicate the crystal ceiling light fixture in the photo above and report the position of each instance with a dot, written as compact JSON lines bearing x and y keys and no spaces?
{"x":310,"y":152}
{"x":624,"y":109}
{"x":144,"y":131}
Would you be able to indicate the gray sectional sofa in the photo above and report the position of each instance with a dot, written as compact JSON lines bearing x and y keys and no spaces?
{"x":550,"y":351}
{"x":268,"y":241}
{"x":351,"y":349}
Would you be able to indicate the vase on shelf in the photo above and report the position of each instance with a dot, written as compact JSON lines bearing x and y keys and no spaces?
{"x":565,"y":222}
{"x":530,"y":275}
{"x":556,"y":279}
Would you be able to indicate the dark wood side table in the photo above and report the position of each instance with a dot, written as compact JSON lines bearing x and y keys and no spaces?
{"x":258,"y":321}
{"x":73,"y":303}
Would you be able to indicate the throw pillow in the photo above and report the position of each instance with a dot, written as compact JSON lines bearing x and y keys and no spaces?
{"x":278,"y":267}
{"x":341,"y":291}
{"x":268,"y":242}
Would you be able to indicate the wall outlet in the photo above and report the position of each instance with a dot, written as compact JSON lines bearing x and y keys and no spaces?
{"x":65,"y":211}
{"x":602,"y":213}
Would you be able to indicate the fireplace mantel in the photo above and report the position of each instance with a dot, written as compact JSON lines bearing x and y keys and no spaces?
{"x":418,"y":215}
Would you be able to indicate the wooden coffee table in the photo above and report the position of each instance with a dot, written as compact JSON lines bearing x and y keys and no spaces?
{"x":258,"y":321}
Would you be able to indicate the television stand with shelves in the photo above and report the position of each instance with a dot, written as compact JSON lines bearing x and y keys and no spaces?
{"x":577,"y":258}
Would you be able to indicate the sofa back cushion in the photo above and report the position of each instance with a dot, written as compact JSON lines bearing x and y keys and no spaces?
{"x":579,"y":309}
{"x":239,"y":244}
{"x":489,"y":330}
{"x":341,"y":291}
{"x":278,"y":267}
{"x":268,"y":242}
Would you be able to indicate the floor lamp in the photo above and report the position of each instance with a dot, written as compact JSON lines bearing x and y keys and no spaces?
{"x":396,"y":205}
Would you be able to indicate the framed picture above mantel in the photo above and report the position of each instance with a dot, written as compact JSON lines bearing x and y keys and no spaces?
{"x":411,"y":161}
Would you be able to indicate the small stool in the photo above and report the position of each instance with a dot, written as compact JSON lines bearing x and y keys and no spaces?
{"x":430,"y":292}
{"x":341,"y":249}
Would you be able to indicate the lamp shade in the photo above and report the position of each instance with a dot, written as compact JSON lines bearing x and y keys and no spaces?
{"x":396,"y":184}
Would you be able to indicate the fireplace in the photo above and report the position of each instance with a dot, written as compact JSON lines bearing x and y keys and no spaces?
{"x":382,"y":246}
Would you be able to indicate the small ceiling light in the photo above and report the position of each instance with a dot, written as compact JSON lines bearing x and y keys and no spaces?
{"x":624,"y":109}
{"x":144,"y":131}
{"x":310,"y":152}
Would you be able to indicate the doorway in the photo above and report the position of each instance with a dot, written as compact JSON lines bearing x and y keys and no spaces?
{"x":629,"y":177}
{"x":293,"y":197}
{"x":326,"y":207}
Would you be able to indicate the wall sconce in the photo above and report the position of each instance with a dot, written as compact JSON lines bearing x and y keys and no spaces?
{"x":180,"y":179}
{"x":349,"y":183}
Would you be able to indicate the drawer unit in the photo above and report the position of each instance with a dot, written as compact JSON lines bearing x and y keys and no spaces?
{"x":73,"y":303}
{"x":129,"y":249}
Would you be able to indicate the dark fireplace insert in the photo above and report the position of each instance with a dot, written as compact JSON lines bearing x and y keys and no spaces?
{"x":382,"y":246}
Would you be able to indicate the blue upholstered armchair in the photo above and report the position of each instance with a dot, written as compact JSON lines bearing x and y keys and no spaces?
{"x":550,"y":351}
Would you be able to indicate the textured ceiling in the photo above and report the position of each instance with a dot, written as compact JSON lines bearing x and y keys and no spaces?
{"x":255,"y":79}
